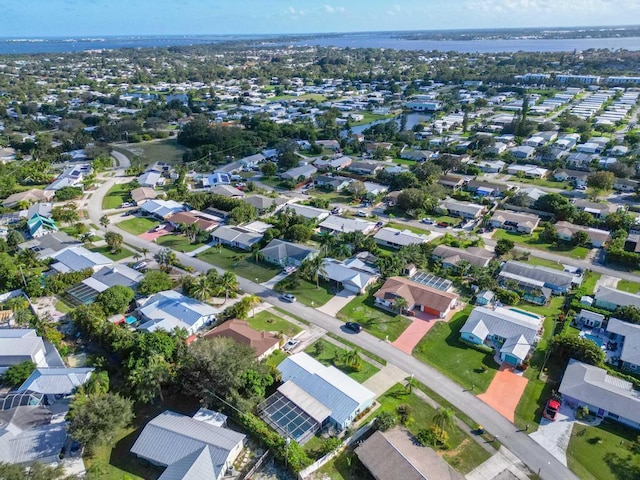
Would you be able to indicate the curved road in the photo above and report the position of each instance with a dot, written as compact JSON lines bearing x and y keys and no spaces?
{"x":531,"y":453}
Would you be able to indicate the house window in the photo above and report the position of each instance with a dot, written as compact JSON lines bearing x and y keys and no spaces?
{"x":613,"y":415}
{"x":632,"y":366}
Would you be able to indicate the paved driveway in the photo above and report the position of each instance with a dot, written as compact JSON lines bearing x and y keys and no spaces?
{"x":554,"y":436}
{"x":337,"y":303}
{"x":151,"y":236}
{"x":504,"y":392}
{"x":412,"y":335}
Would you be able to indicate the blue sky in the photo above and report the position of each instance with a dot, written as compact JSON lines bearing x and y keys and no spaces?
{"x":34,"y":18}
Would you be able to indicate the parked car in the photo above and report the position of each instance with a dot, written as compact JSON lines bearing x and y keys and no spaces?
{"x":362,"y":213}
{"x":336,"y":211}
{"x":162,"y":226}
{"x":379,"y":224}
{"x":443,"y":224}
{"x":551,"y":409}
{"x":287,"y":297}
{"x":288,"y":269}
{"x":428,"y":221}
{"x":290,"y":345}
{"x":353,"y":326}
{"x":140,"y":266}
{"x":126,"y":205}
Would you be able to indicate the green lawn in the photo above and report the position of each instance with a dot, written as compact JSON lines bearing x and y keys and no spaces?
{"x":553,"y":309}
{"x":399,"y":226}
{"x":533,"y":241}
{"x":240,"y":263}
{"x":628,"y":286}
{"x":441,"y":347}
{"x":178,"y":242}
{"x":138,"y":225}
{"x":465,"y":453}
{"x":275,"y":358}
{"x":117,"y":195}
{"x":306,"y":292}
{"x":376,"y":321}
{"x":268,"y":322}
{"x":603,"y":452}
{"x":345,"y":466}
{"x":543,"y":262}
{"x":369,"y":117}
{"x":333,"y":197}
{"x":309,"y":96}
{"x":589,"y":282}
{"x":62,"y":306}
{"x":542,"y":183}
{"x":168,"y":150}
{"x":106,"y":251}
{"x":331,"y":354}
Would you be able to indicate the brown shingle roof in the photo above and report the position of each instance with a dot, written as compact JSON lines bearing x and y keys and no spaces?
{"x":415,"y":294}
{"x":241,"y":332}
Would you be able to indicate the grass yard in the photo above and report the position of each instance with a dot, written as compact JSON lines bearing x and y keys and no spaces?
{"x":533,"y":241}
{"x":413,"y":229}
{"x":543,"y":262}
{"x":628,"y":286}
{"x":138,"y":225}
{"x":441,"y":347}
{"x":375,"y":321}
{"x":240,"y":263}
{"x":63,"y":307}
{"x":106,"y":251}
{"x":178,"y":242}
{"x":306,"y":292}
{"x":309,"y":96}
{"x":168,"y":150}
{"x":369,"y":117}
{"x":603,"y":452}
{"x":275,"y":358}
{"x":367,"y":353}
{"x":465,"y":454}
{"x":552,"y":310}
{"x":117,"y":195}
{"x":333,"y":197}
{"x":542,"y":183}
{"x":268,"y":322}
{"x":345,"y":466}
{"x":590,"y":279}
{"x":330,"y":354}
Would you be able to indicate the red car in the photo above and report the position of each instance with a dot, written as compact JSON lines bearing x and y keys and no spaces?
{"x":551,"y":409}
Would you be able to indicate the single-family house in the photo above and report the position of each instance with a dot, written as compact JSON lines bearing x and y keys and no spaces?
{"x":394,"y":454}
{"x":374,"y":190}
{"x":352,"y":274}
{"x":510,"y":332}
{"x":88,"y":290}
{"x":416,"y":155}
{"x":55,"y":382}
{"x":523,"y":152}
{"x":162,"y":209}
{"x":331,"y":182}
{"x":190,"y":447}
{"x":597,"y":209}
{"x":606,"y":396}
{"x":170,"y":310}
{"x":365,"y":168}
{"x":452,"y":182}
{"x":338,"y":163}
{"x":283,"y":253}
{"x":72,"y":176}
{"x":31,"y":196}
{"x":77,"y":258}
{"x":235,"y":236}
{"x":517,"y":222}
{"x":588,"y":318}
{"x":308,"y":212}
{"x":535,"y":141}
{"x":262,"y":343}
{"x":576,"y":177}
{"x":338,"y":224}
{"x":626,"y":185}
{"x":457,"y":208}
{"x":150,"y":179}
{"x":590,"y":148}
{"x":47,"y":245}
{"x":418,"y":297}
{"x":228,"y":191}
{"x":38,"y":226}
{"x":216,"y":178}
{"x":497,"y":148}
{"x":619,"y":151}
{"x":629,"y":335}
{"x":19,"y":345}
{"x":450,"y":257}
{"x":230,"y":168}
{"x":265,"y":204}
{"x":482,"y":188}
{"x":610,"y":299}
{"x":598,"y":238}
{"x":304,"y":171}
{"x":329,"y":144}
{"x":202,"y":220}
{"x":490,"y":166}
{"x":252,"y":160}
{"x":528,"y":171}
{"x":142,"y":194}
{"x":394,"y":238}
{"x":313,"y":397}
{"x":535,"y":277}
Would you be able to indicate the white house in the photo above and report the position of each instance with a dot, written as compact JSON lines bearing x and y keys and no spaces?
{"x":170,"y":310}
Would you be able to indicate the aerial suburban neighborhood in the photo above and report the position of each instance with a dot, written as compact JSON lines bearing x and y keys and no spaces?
{"x":246,"y":260}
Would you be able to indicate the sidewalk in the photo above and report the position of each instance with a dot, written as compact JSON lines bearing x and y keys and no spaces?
{"x":199,"y":250}
{"x":272,"y":283}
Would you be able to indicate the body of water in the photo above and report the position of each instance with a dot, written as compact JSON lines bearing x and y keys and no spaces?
{"x":353,"y":40}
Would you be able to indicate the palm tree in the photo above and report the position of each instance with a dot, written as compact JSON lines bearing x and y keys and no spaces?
{"x":144,"y":251}
{"x":327,"y":241}
{"x":352,"y":359}
{"x":252,"y":302}
{"x":256,"y":254}
{"x":229,"y":285}
{"x":136,"y":256}
{"x":400,"y":303}
{"x":203,"y":289}
{"x":444,"y":417}
{"x":86,"y":237}
{"x":104,"y":221}
{"x":411,"y":382}
{"x":314,"y":268}
{"x":165,"y":258}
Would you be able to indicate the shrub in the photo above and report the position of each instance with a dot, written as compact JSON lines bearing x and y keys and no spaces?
{"x":385,"y":421}
{"x":434,"y":437}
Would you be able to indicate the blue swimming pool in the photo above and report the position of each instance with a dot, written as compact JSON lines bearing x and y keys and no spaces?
{"x":597,"y":340}
{"x":528,"y":314}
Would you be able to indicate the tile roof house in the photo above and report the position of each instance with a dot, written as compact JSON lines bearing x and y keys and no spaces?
{"x":352,"y":274}
{"x":452,"y":256}
{"x":394,"y":238}
{"x":510,"y":332}
{"x":191,"y":217}
{"x":598,"y":238}
{"x":263,"y":343}
{"x":283,"y":253}
{"x":169,"y":310}
{"x":394,"y":455}
{"x":32,"y":196}
{"x":234,"y":236}
{"x":418,"y":297}
{"x":190,"y":448}
{"x":338,"y":224}
{"x":512,"y":221}
{"x":606,"y":396}
{"x":629,"y":335}
{"x":611,"y":299}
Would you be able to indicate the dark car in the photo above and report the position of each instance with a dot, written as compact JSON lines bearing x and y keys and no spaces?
{"x":353,"y":326}
{"x":551,"y":409}
{"x":443,"y":224}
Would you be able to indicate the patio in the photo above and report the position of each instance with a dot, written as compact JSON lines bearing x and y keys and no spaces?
{"x":606,"y":341}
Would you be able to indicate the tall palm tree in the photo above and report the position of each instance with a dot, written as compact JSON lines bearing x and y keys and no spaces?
{"x":352,"y":359}
{"x":256,"y":254}
{"x":400,"y":303}
{"x":252,"y":301}
{"x":203,"y":289}
{"x":444,"y":417}
{"x":104,"y":221}
{"x":229,"y":284}
{"x":86,"y":237}
{"x":327,"y":241}
{"x":136,"y":256}
{"x":144,"y":251}
{"x":165,"y":258}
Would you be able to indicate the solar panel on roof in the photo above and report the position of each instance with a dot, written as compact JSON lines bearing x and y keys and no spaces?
{"x":429,"y":280}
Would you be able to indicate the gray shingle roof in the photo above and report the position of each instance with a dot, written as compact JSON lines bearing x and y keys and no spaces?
{"x":616,"y":297}
{"x":400,"y":237}
{"x":538,"y":273}
{"x":631,"y":344}
{"x":280,"y":250}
